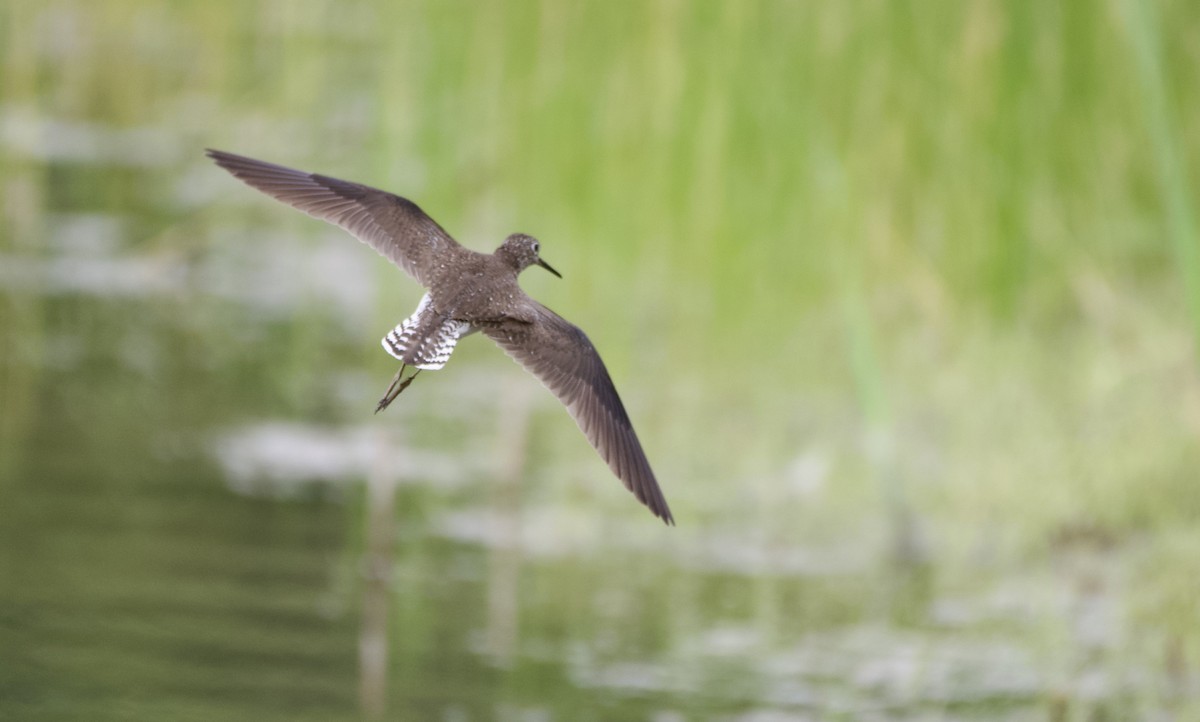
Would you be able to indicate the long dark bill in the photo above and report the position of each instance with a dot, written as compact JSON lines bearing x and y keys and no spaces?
{"x":546,"y":266}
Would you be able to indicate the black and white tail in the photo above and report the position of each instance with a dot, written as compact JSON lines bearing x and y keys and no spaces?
{"x":428,"y":350}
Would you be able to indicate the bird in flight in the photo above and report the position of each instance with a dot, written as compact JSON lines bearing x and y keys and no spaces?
{"x":467,"y":291}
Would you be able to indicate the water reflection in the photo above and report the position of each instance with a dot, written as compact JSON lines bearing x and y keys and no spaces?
{"x":168,"y":555}
{"x":283,"y":459}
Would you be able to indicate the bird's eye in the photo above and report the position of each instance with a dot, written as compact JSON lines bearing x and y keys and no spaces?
{"x":535,"y":246}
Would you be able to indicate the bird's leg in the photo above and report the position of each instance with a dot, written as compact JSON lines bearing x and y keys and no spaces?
{"x":395,"y":388}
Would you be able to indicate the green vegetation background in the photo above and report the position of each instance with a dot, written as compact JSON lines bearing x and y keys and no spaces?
{"x":947,"y":249}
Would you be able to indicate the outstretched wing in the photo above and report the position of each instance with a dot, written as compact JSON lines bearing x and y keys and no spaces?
{"x":394,"y":226}
{"x":563,"y":359}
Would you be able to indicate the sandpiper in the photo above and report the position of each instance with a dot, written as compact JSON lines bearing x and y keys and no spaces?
{"x":468,"y":292}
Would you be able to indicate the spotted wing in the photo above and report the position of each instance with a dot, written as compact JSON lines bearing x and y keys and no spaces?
{"x":395,"y":227}
{"x":563,"y":359}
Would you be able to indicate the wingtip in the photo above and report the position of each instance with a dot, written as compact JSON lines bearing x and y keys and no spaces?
{"x":225,"y":159}
{"x":219,"y":157}
{"x":656,"y":502}
{"x":662,"y":511}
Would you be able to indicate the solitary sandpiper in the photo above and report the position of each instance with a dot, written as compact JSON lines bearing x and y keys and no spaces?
{"x":469,"y":292}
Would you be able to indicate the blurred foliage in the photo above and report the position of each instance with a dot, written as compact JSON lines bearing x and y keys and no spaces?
{"x":925,"y":265}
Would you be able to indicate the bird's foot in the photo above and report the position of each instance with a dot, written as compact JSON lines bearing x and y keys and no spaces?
{"x":395,"y":388}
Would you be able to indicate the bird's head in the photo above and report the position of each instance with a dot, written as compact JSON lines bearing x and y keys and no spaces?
{"x":521,"y":251}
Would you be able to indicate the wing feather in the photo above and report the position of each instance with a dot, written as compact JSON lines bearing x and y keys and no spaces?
{"x":562,"y":357}
{"x":395,"y":227}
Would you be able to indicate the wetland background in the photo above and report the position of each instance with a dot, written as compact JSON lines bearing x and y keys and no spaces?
{"x":903,"y":298}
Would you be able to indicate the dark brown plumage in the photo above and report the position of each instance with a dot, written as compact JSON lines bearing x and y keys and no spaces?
{"x":470,"y":291}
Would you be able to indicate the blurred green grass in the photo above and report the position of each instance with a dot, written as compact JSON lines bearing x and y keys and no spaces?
{"x":791,"y":228}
